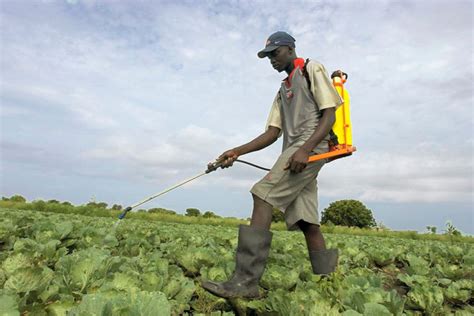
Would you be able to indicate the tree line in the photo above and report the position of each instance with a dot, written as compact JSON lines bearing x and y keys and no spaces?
{"x":351,"y":213}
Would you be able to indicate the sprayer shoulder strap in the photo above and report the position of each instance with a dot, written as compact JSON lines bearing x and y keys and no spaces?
{"x":332,"y":136}
{"x":306,"y":75}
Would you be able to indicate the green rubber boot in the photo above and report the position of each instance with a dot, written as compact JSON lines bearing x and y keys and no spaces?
{"x":252,"y":253}
{"x":324,"y":261}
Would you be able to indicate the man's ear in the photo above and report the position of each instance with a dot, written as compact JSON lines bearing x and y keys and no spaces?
{"x":291,"y":51}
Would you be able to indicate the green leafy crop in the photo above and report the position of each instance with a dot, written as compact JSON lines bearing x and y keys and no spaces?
{"x":66,"y":264}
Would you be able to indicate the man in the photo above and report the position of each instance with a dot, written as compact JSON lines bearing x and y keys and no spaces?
{"x":304,"y":112}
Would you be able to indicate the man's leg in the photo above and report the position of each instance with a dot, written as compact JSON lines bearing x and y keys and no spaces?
{"x":323,"y":261}
{"x":252,"y":251}
{"x":313,"y":235}
{"x":262,"y":213}
{"x":254,"y":241}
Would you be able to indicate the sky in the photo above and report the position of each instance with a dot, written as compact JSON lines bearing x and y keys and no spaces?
{"x":117,"y":100}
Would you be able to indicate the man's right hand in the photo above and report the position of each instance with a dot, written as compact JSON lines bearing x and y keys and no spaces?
{"x":228,"y":158}
{"x":269,"y":137}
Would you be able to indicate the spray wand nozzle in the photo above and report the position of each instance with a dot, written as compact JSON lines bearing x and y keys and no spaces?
{"x":213,"y":166}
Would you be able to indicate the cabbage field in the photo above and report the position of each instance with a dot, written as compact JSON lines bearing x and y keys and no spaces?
{"x":65,"y":264}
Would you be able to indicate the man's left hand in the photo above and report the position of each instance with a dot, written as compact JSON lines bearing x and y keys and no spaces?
{"x":298,"y":161}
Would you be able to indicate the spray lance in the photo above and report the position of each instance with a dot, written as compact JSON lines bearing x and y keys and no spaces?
{"x":210,"y":168}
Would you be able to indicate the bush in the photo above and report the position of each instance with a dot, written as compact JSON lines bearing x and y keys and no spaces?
{"x":17,"y":198}
{"x":117,"y":207}
{"x":193,"y":212}
{"x":209,"y":214}
{"x":97,"y":205}
{"x":348,"y":213}
{"x":160,"y":210}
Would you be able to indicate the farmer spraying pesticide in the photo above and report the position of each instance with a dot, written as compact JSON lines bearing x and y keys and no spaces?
{"x":316,"y":128}
{"x":303,"y":112}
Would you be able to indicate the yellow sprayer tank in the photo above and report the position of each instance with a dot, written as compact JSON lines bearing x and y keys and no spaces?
{"x":342,"y":127}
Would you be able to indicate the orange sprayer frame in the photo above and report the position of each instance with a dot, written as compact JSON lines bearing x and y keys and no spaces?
{"x":344,"y":148}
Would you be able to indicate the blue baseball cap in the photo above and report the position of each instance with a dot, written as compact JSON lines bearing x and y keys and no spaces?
{"x":276,"y":40}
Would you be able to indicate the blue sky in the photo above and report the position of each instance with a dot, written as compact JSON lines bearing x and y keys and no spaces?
{"x":117,"y":100}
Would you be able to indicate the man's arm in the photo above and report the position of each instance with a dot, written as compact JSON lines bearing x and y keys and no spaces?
{"x":299,"y":159}
{"x":260,"y":142}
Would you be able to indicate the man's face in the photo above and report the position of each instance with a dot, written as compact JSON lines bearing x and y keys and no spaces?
{"x":280,"y":58}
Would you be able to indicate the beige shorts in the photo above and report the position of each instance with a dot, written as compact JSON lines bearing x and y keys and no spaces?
{"x":296,"y":194}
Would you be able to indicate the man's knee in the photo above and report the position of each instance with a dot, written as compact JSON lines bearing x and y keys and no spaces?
{"x":260,"y":201}
{"x":255,"y":197}
{"x":261,"y":207}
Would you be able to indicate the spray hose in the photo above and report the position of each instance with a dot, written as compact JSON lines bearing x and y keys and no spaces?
{"x":214,"y":167}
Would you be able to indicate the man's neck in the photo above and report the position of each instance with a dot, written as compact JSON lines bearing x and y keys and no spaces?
{"x":291,"y":66}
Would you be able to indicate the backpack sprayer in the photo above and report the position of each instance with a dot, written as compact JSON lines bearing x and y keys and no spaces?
{"x":340,"y":144}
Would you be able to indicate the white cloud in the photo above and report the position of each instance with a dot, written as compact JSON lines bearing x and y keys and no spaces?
{"x":409,"y":176}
